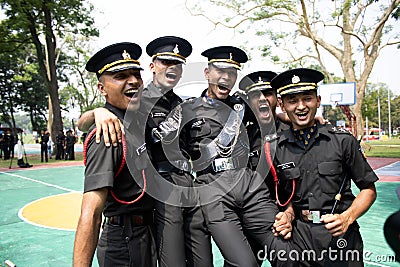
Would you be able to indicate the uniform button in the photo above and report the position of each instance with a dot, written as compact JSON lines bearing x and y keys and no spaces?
{"x":126,"y":239}
{"x":310,"y":194}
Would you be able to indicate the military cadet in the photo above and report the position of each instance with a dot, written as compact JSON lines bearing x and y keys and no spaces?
{"x":1,"y":144}
{"x":60,"y":144}
{"x":213,"y":136}
{"x":44,"y":139}
{"x":263,"y":101}
{"x":322,"y":161}
{"x":182,"y":239}
{"x":110,"y":187}
{"x":70,"y":140}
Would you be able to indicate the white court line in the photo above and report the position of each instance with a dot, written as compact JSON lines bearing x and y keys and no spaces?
{"x":376,"y":264}
{"x":390,"y":165}
{"x":40,"y":182}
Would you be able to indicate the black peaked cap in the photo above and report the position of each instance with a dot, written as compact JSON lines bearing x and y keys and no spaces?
{"x":297,"y":80}
{"x":169,"y":48}
{"x":115,"y":57}
{"x":225,"y":56}
{"x":259,"y":80}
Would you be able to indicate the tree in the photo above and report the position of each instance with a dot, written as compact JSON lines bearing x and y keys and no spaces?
{"x":350,"y":32}
{"x":44,"y":23}
{"x":370,"y":106}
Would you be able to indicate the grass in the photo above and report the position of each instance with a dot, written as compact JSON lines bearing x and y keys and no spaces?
{"x":382,"y":149}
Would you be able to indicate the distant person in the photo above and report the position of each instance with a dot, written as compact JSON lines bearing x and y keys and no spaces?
{"x":60,"y":144}
{"x":1,"y":144}
{"x":6,"y":145}
{"x":70,"y":140}
{"x":11,"y":144}
{"x":44,"y":139}
{"x":50,"y":146}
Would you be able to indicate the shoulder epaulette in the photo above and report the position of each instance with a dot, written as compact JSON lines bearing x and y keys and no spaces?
{"x":339,"y":130}
{"x":189,"y":100}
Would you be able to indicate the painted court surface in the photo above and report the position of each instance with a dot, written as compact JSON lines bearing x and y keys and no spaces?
{"x":40,"y":208}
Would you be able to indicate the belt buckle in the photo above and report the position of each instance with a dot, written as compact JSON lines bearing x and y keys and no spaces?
{"x":314,"y":216}
{"x":222,"y":164}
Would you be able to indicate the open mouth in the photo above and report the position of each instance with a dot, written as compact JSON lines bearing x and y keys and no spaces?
{"x":171,"y":75}
{"x":264,"y":108}
{"x":223,"y":88}
{"x":131,"y":93}
{"x":302,"y":115}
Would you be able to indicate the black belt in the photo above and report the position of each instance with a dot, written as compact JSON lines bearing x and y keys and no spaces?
{"x":311,"y":216}
{"x":222,"y":164}
{"x":178,"y":166}
{"x":135,"y":219}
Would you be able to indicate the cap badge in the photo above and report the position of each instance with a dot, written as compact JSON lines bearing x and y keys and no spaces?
{"x":126,"y":55}
{"x":176,"y":49}
{"x":295,"y":79}
{"x":230,"y":56}
{"x":260,"y":79}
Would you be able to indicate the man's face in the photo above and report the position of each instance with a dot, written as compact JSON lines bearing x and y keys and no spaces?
{"x":166,"y":73}
{"x":301,"y":108}
{"x":263,"y":103}
{"x":122,"y":89}
{"x":220,"y":81}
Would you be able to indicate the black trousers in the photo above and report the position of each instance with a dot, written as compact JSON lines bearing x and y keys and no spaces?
{"x":235,"y":202}
{"x":127,"y":245}
{"x":315,"y":246}
{"x":181,"y":235}
{"x":43,"y":153}
{"x":60,"y":151}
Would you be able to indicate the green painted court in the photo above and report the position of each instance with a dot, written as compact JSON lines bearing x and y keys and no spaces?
{"x":27,"y":242}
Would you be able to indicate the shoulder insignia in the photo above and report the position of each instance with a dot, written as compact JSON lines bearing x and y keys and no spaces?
{"x":198,"y":123}
{"x":339,"y":130}
{"x":189,"y":100}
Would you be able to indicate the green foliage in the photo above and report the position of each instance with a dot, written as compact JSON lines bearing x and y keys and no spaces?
{"x":379,"y":93}
{"x":36,"y":30}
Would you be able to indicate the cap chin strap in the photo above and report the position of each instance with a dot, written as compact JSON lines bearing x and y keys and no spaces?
{"x":267,"y":150}
{"x":123,"y":162}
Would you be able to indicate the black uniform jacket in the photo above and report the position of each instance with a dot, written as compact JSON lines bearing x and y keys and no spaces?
{"x":102,"y":164}
{"x":257,"y":161}
{"x":157,"y":104}
{"x":203,"y":120}
{"x":333,"y":155}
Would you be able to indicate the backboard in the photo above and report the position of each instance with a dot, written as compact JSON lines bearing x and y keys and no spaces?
{"x":336,"y":94}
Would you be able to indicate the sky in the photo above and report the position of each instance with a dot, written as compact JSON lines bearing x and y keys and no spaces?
{"x":143,"y":21}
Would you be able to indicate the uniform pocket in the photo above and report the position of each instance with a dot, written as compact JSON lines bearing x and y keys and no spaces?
{"x":288,"y":176}
{"x":329,"y":175}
